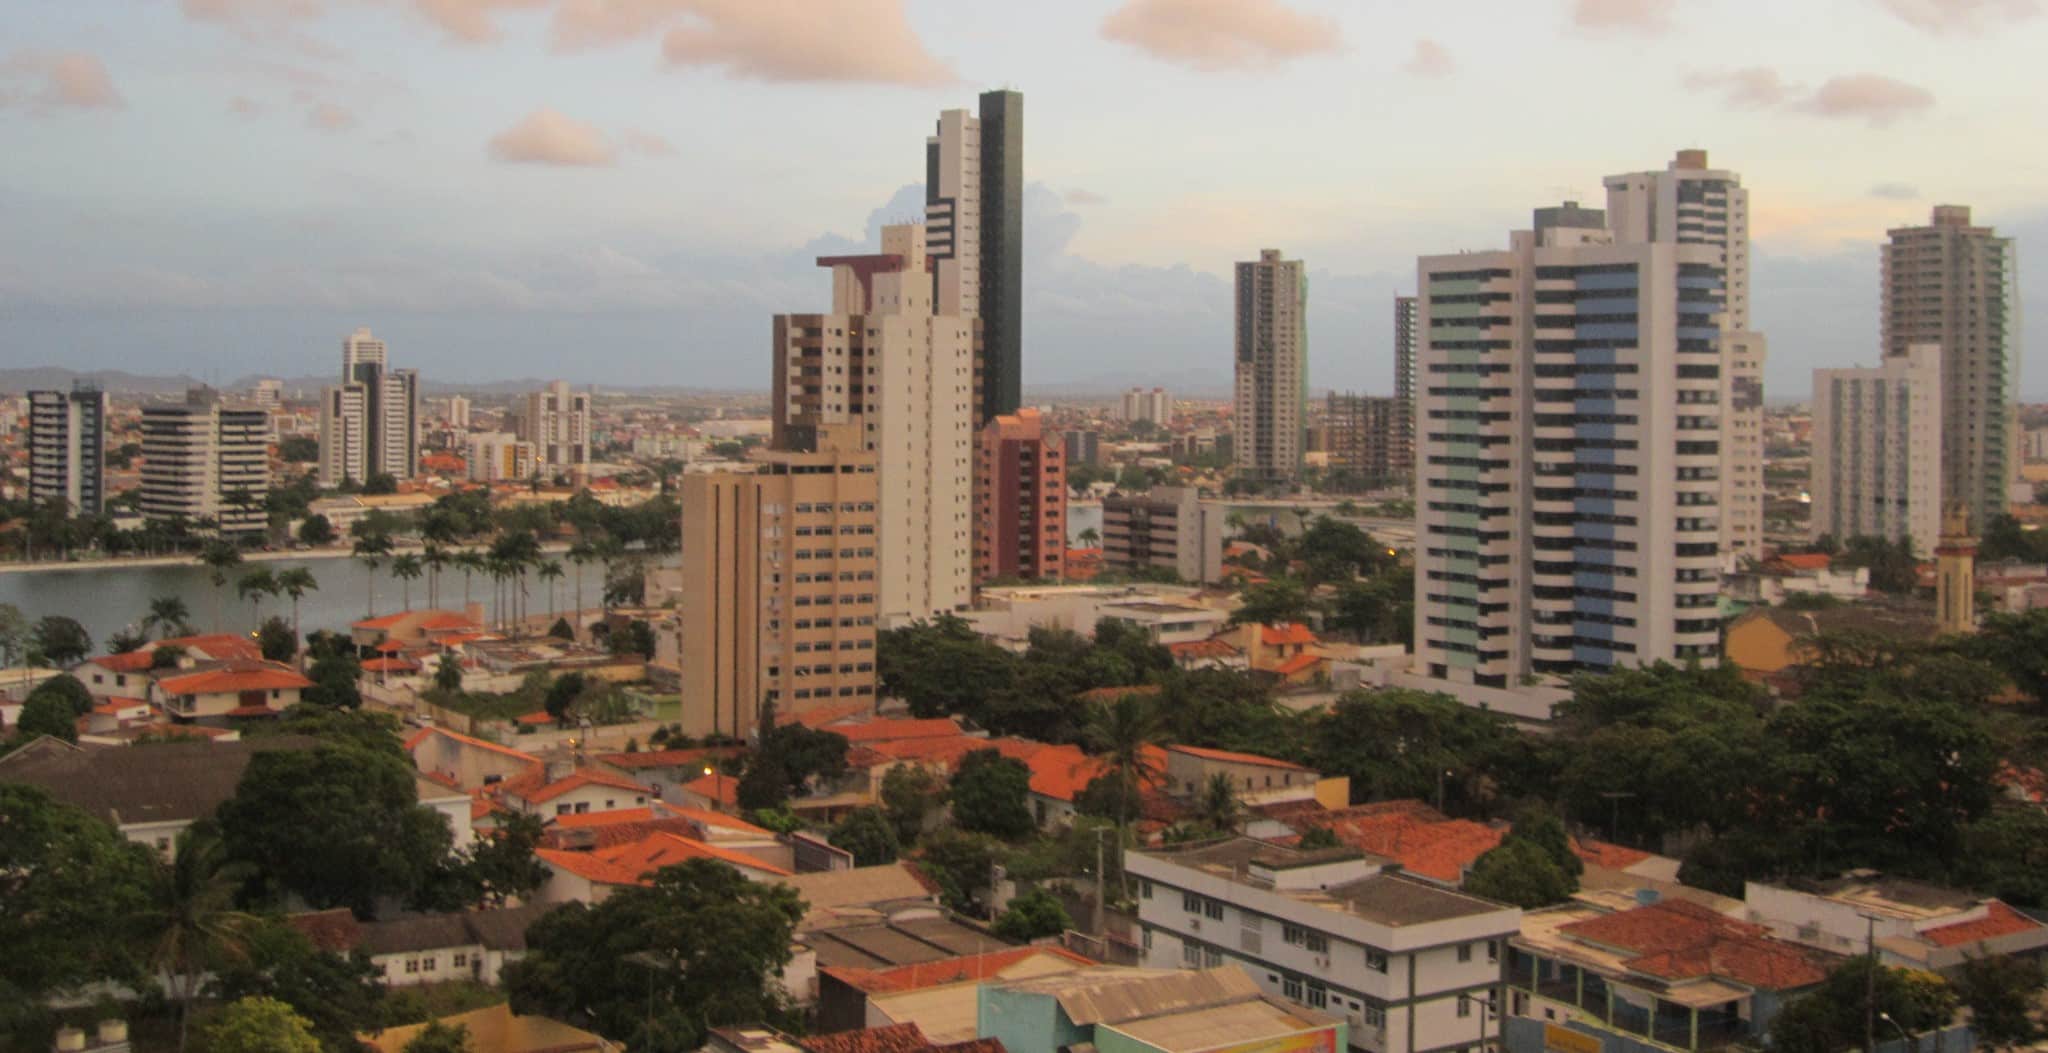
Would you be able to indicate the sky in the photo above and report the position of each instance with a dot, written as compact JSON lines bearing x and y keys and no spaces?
{"x":624,"y":191}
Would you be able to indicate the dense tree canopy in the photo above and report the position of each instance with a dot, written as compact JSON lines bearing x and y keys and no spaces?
{"x":868,"y":834}
{"x":69,"y":883}
{"x":700,"y":947}
{"x":991,"y":795}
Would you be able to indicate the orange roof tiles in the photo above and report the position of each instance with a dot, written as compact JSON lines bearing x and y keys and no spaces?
{"x":725,"y":789}
{"x":235,"y":675}
{"x":576,"y":781}
{"x":391,"y":665}
{"x":1414,"y":835}
{"x":1999,"y":920}
{"x":631,"y":863}
{"x":1230,"y":757}
{"x":1806,"y":560}
{"x":894,"y":730}
{"x":820,"y":715}
{"x":1681,"y":940}
{"x":1603,"y":854}
{"x":1290,"y":633}
{"x":1298,"y":664}
{"x":536,"y":718}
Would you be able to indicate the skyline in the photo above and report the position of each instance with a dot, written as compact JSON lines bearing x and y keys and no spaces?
{"x":380,"y":153}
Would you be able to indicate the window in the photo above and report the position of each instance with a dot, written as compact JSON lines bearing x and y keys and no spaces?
{"x":427,"y":965}
{"x":1145,"y":889}
{"x":1373,"y":1016}
{"x":1290,"y":987}
{"x":1191,"y":954}
{"x":1211,"y":957}
{"x":412,"y":965}
{"x":1318,"y":996}
{"x":1191,"y":903}
{"x":461,"y":960}
{"x":1375,"y":961}
{"x":1212,"y":909}
{"x":1464,"y":1006}
{"x":1464,"y":952}
{"x":1318,"y":943}
{"x":1493,"y":952}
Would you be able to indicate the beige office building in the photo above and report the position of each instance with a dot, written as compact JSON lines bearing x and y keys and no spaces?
{"x":780,"y":568}
{"x":1877,"y":450}
{"x":1272,"y":366}
{"x":903,"y":379}
{"x":1954,"y":285}
{"x":206,"y":458}
{"x":556,"y":421}
{"x":1690,"y":203}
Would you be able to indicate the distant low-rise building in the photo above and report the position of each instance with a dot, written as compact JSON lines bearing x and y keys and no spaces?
{"x":414,"y":949}
{"x":1214,"y":1010}
{"x":1909,"y":924}
{"x":1169,"y":528}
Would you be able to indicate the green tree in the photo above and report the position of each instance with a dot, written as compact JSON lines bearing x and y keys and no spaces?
{"x":2001,"y":991}
{"x":962,"y":865}
{"x":296,"y":582}
{"x":62,"y":640}
{"x":1832,"y":1017}
{"x":221,"y":557}
{"x":1217,"y":807}
{"x":1397,"y":743}
{"x":2005,"y":854}
{"x":46,"y":714}
{"x":699,"y":947}
{"x":1275,"y":602}
{"x":298,"y":449}
{"x":336,"y":674}
{"x":407,"y":568}
{"x":562,"y":695}
{"x":941,"y":667}
{"x":1892,"y":566}
{"x":448,"y":673}
{"x":168,"y":617}
{"x":1033,"y":915}
{"x":909,"y":795}
{"x":277,"y":640}
{"x":191,"y":922}
{"x":371,"y":547}
{"x":503,"y":866}
{"x":254,"y":585}
{"x":1124,"y":732}
{"x":991,"y":795}
{"x":1520,"y":872}
{"x":338,"y":995}
{"x":338,"y":825}
{"x":260,"y":1025}
{"x":316,"y":531}
{"x":438,"y":1037}
{"x":68,"y":884}
{"x":786,"y":758}
{"x":868,"y":834}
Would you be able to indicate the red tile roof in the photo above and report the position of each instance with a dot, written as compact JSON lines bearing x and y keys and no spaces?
{"x":211,"y":646}
{"x":577,"y":780}
{"x":1234,"y":758}
{"x":1999,"y":920}
{"x":537,"y":718}
{"x":1298,"y":664}
{"x":1288,"y":634}
{"x":234,"y":675}
{"x":820,"y":715}
{"x":1062,"y":772}
{"x":725,"y":789}
{"x":1412,"y":834}
{"x":894,"y":1038}
{"x":252,"y":711}
{"x":1806,"y":560}
{"x":391,"y":665}
{"x":413,"y":741}
{"x":330,"y":930}
{"x":1603,"y":854}
{"x":1680,"y":940}
{"x":890,"y":730}
{"x":630,"y":863}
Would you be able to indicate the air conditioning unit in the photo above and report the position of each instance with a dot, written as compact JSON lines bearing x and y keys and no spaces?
{"x":1195,"y":924}
{"x":1323,"y":960}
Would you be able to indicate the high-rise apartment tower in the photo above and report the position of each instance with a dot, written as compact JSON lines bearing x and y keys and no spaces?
{"x":67,"y":448}
{"x":207,"y":458}
{"x":974,"y":223}
{"x":1272,"y":366}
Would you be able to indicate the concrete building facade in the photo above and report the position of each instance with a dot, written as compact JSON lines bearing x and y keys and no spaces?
{"x":556,"y":421}
{"x":974,"y":223}
{"x":1020,"y":495}
{"x":1691,"y":203}
{"x":780,"y":590}
{"x":902,"y":376}
{"x":205,"y":458}
{"x":1271,"y":393}
{"x":1367,"y":436}
{"x":1154,"y":406}
{"x":67,"y":448}
{"x":369,"y":423}
{"x":1569,"y":466}
{"x":1955,"y":285}
{"x":1405,"y":334}
{"x":1167,"y":528}
{"x":497,"y":456}
{"x":1877,"y":440}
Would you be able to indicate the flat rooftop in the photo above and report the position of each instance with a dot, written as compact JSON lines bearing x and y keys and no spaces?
{"x":1223,"y":1025}
{"x":1895,"y":897}
{"x":1386,"y":898}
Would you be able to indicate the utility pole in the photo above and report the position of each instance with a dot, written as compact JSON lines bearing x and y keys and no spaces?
{"x":1614,"y":798}
{"x":1870,"y":984}
{"x":1099,"y":832}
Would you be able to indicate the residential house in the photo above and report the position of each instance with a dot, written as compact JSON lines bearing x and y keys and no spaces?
{"x":1257,"y":780}
{"x":1799,"y":574}
{"x":416,"y":628}
{"x":940,"y":996}
{"x":238,"y":688}
{"x":664,"y":772}
{"x":895,"y":1038}
{"x":1290,"y":653}
{"x":1909,"y":924}
{"x":1604,"y":974}
{"x":413,"y":949}
{"x":594,"y":830}
{"x":593,"y":875}
{"x":499,"y":1030}
{"x":1406,"y":963}
{"x":465,"y":761}
{"x":1765,"y":642}
{"x":1220,"y":1010}
{"x":574,"y":793}
{"x":126,"y":675}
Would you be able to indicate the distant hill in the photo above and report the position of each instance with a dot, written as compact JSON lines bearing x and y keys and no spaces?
{"x":120,"y":382}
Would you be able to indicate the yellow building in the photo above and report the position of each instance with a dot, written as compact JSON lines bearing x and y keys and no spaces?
{"x":778,"y":597}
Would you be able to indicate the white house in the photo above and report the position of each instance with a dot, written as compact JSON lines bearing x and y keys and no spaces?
{"x":417,"y":949}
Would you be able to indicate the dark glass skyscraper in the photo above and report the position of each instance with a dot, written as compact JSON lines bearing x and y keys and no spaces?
{"x":1002,"y":252}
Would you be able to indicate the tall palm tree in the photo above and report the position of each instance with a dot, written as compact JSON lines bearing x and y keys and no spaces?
{"x":469,"y":561}
{"x":550,"y":571}
{"x":168,"y":616}
{"x":255,"y":585}
{"x":609,"y":549}
{"x":371,"y":548}
{"x":296,"y":582}
{"x":407,"y":568}
{"x":1217,"y":807}
{"x":1120,"y":732}
{"x":220,"y":557}
{"x":435,"y":557}
{"x":190,"y":920}
{"x":579,"y":554}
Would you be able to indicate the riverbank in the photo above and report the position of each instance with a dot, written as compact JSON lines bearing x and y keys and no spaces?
{"x":190,"y":560}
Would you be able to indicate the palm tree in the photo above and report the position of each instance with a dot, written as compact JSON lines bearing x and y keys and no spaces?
{"x":371,"y":548}
{"x":550,"y":571}
{"x":470,"y":561}
{"x":579,"y":554}
{"x":608,"y":549}
{"x":220,"y":557}
{"x":1120,"y":732}
{"x":1217,"y":808}
{"x":255,"y":585}
{"x":406,"y":569}
{"x":1089,"y":537}
{"x":435,"y":557}
{"x":295,"y":583}
{"x":168,"y":616}
{"x":191,"y":920}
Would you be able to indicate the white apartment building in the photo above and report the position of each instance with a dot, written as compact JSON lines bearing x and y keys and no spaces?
{"x":883,"y":361}
{"x":952,"y":213}
{"x":203,"y":458}
{"x":1155,"y":406}
{"x":496,"y":456}
{"x":1412,"y":966}
{"x":1271,"y":397}
{"x":67,"y":448}
{"x":1877,"y":437}
{"x":369,"y":423}
{"x":1689,"y":203}
{"x":557,"y":422}
{"x":458,"y":412}
{"x":1569,"y":461}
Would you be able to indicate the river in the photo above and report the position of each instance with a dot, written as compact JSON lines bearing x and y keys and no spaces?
{"x":108,"y":599}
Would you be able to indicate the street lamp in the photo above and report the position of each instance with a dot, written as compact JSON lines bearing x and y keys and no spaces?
{"x":1486,"y":1008}
{"x":1912,"y":1044}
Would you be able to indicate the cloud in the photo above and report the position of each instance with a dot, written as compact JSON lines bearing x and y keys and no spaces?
{"x":1430,"y":59}
{"x":867,"y":41}
{"x":547,"y":137}
{"x":1753,"y":88}
{"x":1221,"y":35}
{"x":1868,"y":96}
{"x":328,"y":117}
{"x":1855,"y":96}
{"x":1962,"y":16}
{"x":1078,"y":196}
{"x":69,"y":79}
{"x":1628,"y":16}
{"x":1896,"y":191}
{"x":648,"y":143}
{"x":244,"y":106}
{"x":590,"y":23}
{"x":473,"y":21}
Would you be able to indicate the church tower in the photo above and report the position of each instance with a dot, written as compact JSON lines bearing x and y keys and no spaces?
{"x":1955,"y":574}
